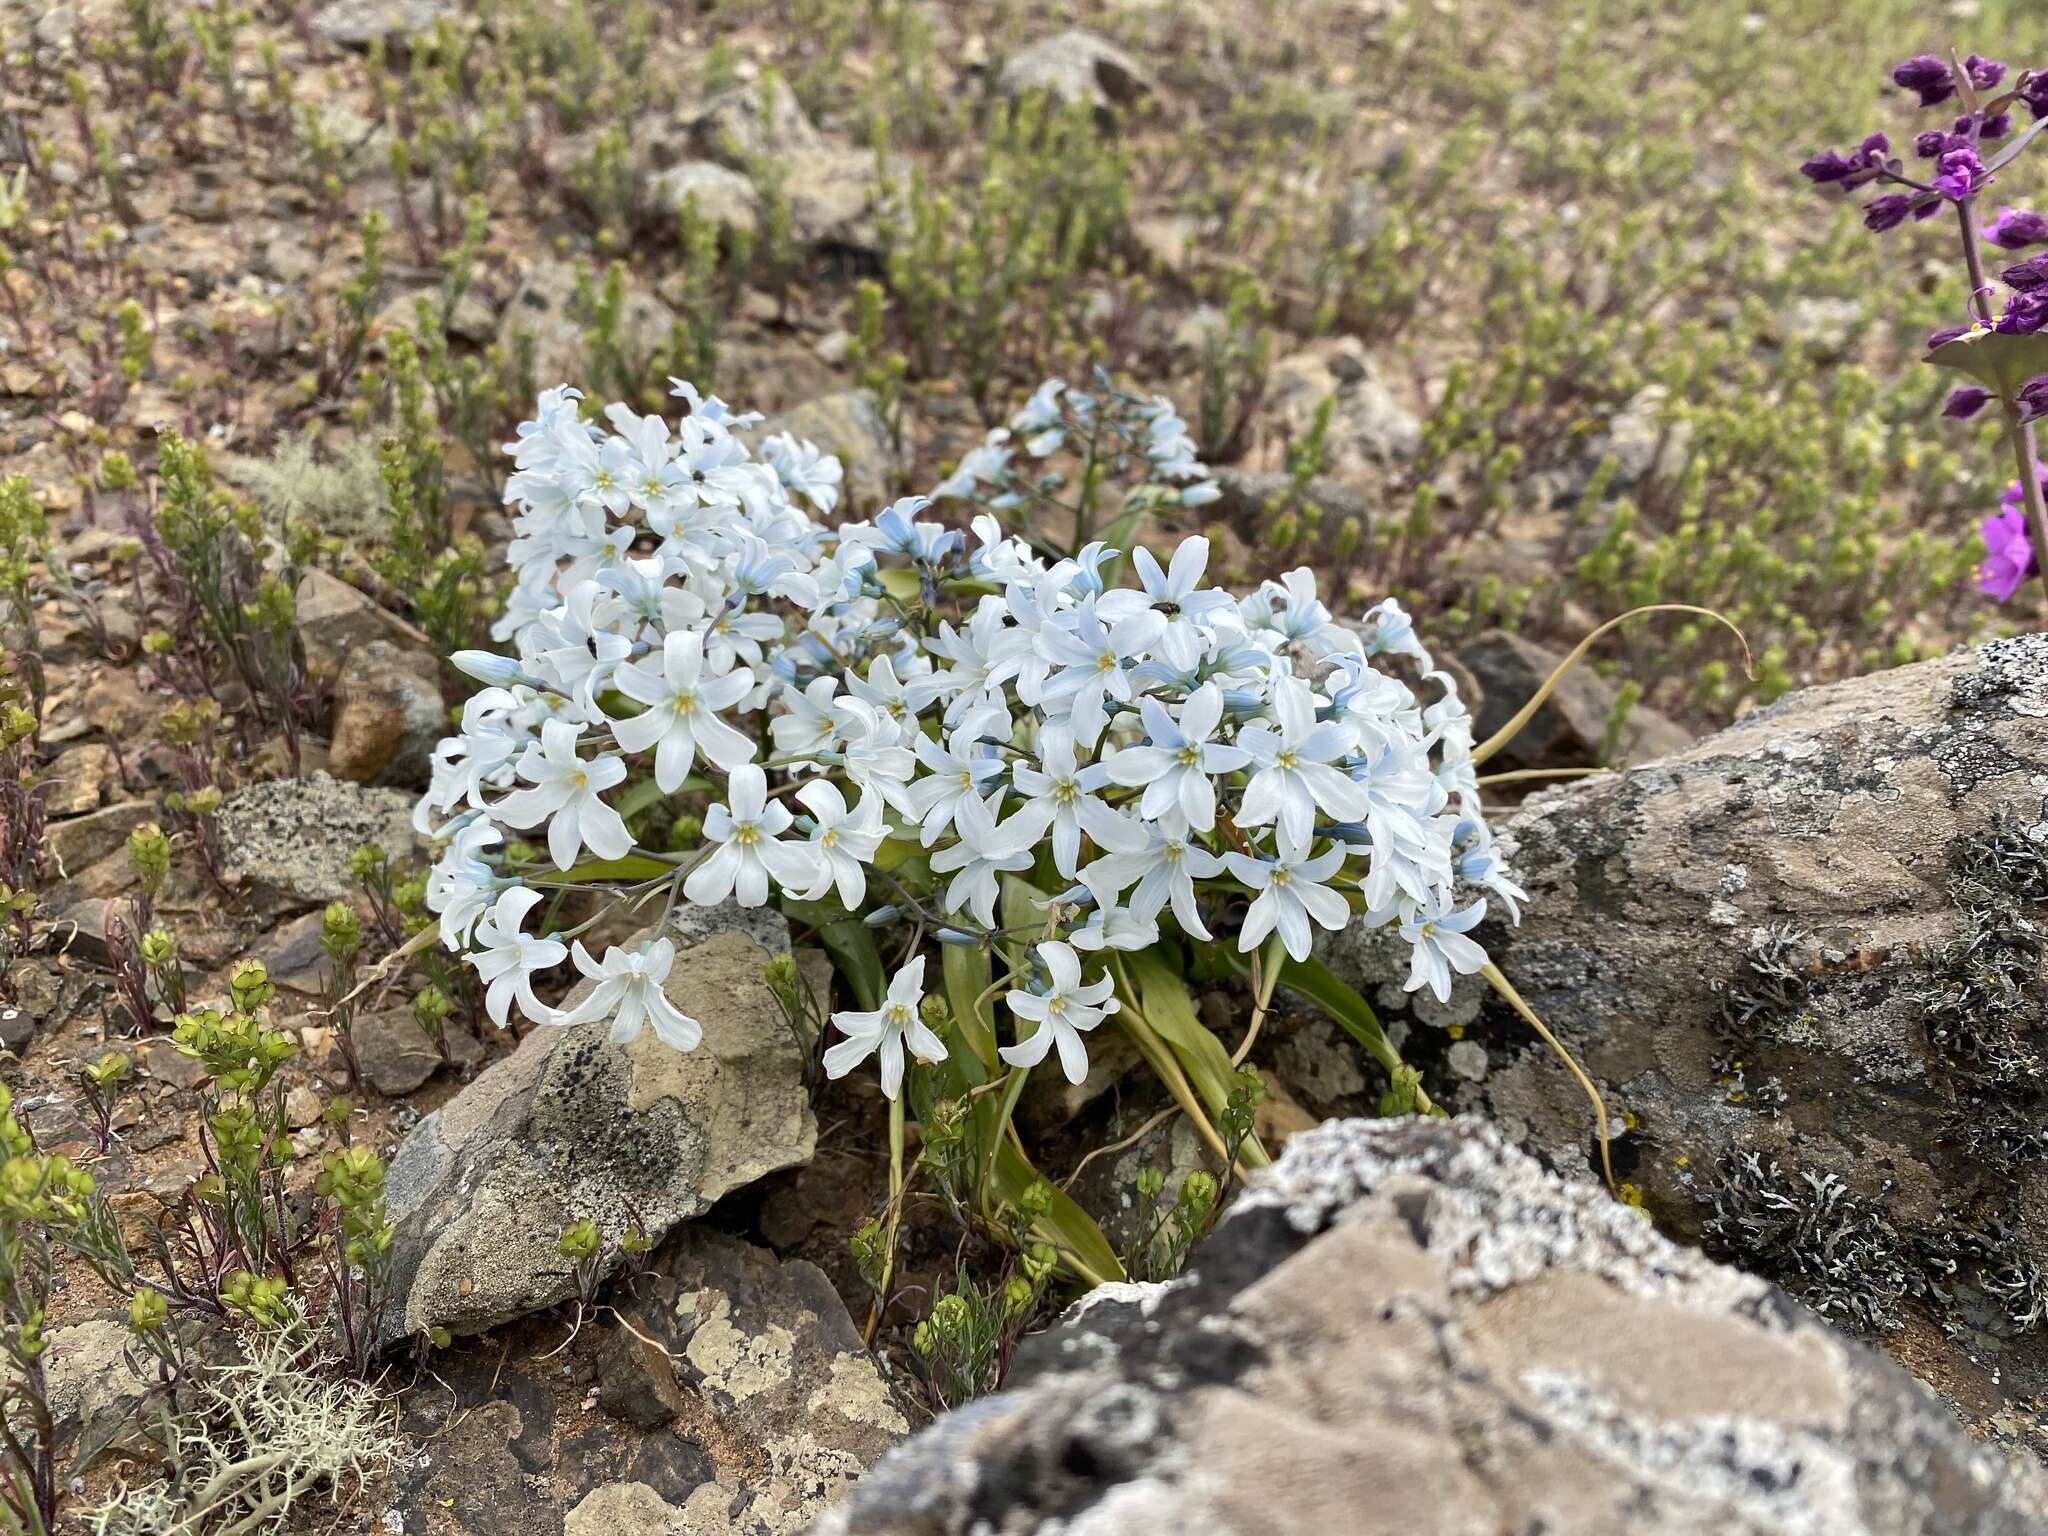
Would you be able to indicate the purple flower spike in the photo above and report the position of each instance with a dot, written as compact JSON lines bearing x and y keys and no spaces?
{"x":1962,"y":174}
{"x":2017,"y":228}
{"x":2025,"y":313}
{"x":2008,"y":556}
{"x":2033,"y":401}
{"x":1887,"y":212}
{"x":1928,"y":76}
{"x":1984,"y":73}
{"x":1965,"y":401}
{"x":2027,"y":276}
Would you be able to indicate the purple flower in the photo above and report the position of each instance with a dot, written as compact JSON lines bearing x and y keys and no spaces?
{"x":1826,"y":168}
{"x":1965,"y":401}
{"x":1887,"y":212}
{"x":1851,"y":170}
{"x":2008,"y":556}
{"x":1984,"y":73}
{"x":1927,"y":75}
{"x":2033,"y":401}
{"x":1996,"y":125}
{"x":1962,"y":173}
{"x":2027,"y":275}
{"x":2025,"y":313}
{"x":1932,"y":143}
{"x":2033,"y":90}
{"x":1945,"y":335}
{"x":2017,"y":228}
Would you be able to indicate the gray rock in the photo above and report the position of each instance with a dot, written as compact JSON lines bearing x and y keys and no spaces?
{"x":1571,"y":729}
{"x":734,"y":1393}
{"x":1827,"y":327}
{"x":1644,"y":444}
{"x":1407,"y":1325}
{"x":388,"y":717}
{"x":17,"y":1028}
{"x":291,"y":839}
{"x":1368,"y":427}
{"x":544,"y":308}
{"x":722,"y":196}
{"x":764,"y":1346}
{"x":850,"y":425}
{"x":337,"y":623}
{"x":740,"y":127}
{"x":80,"y":780}
{"x":1803,"y":958}
{"x":572,"y":1127}
{"x":293,"y":955}
{"x":78,"y":841}
{"x":397,"y":1056}
{"x":1077,"y":68}
{"x":360,"y":24}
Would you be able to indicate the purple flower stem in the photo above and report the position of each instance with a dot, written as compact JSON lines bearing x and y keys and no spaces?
{"x":2020,"y":433}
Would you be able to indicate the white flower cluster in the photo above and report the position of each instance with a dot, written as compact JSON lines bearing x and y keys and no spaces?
{"x":1159,"y":752}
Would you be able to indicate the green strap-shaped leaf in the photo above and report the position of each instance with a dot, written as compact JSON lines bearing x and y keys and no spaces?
{"x":595,"y":871}
{"x":966,"y":972}
{"x":1065,"y":1225}
{"x":1163,"y":996}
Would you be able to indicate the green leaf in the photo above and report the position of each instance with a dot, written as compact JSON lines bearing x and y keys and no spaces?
{"x":2003,"y":363}
{"x":596,"y":871}
{"x":1065,"y":1225}
{"x":901,"y":583}
{"x":2012,"y":150}
{"x":637,"y":799}
{"x":1168,"y":1008}
{"x":850,"y":943}
{"x":967,"y":975}
{"x":1352,"y":1013}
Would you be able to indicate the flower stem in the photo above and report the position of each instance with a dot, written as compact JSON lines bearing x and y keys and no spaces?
{"x":2020,"y":433}
{"x":1266,"y":972}
{"x":2029,"y":460}
{"x":895,"y":1212}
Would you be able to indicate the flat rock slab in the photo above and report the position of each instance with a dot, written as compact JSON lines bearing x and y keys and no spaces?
{"x":571,"y":1127}
{"x":1408,"y":1326}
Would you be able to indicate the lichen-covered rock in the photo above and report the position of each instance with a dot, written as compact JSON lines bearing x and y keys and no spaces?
{"x":1803,"y":960}
{"x":291,"y":839}
{"x":1408,"y":1326}
{"x":571,"y":1127}
{"x":732,"y":1395}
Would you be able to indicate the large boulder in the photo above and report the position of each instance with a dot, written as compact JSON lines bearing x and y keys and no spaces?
{"x":1803,"y":961}
{"x":1408,"y":1326}
{"x":571,"y":1127}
